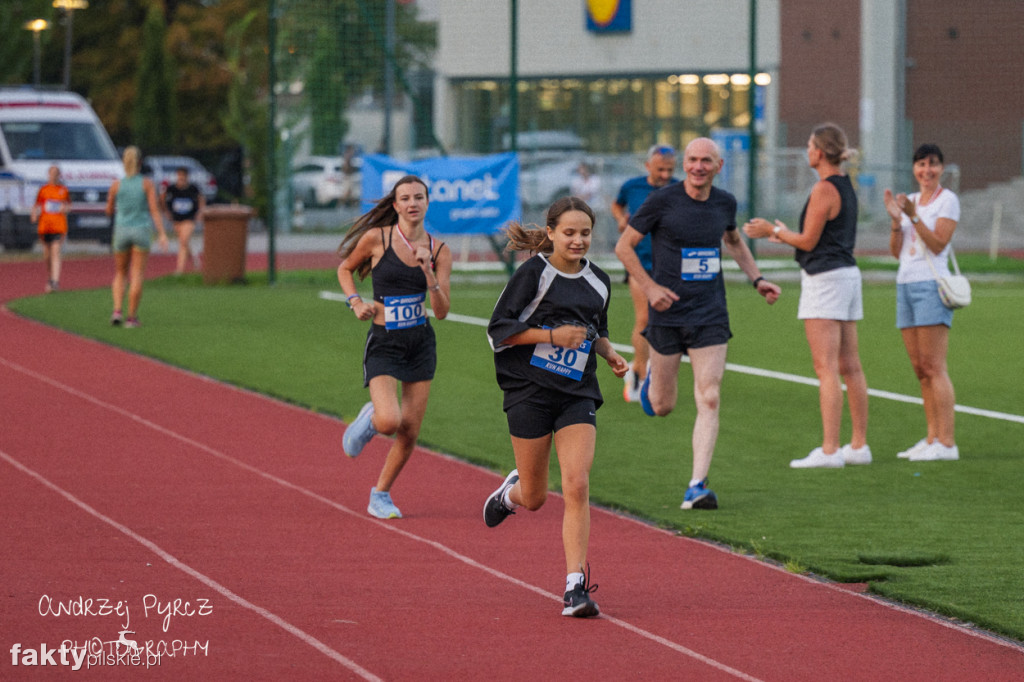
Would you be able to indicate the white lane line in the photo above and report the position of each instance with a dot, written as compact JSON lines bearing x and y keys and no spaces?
{"x":188,"y":570}
{"x":469,"y":561}
{"x":756,"y":371}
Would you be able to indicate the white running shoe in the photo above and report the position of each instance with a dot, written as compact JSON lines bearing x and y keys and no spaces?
{"x":916,"y":447}
{"x":936,"y":452}
{"x":819,"y":460}
{"x":631,"y":387}
{"x":861,"y":456}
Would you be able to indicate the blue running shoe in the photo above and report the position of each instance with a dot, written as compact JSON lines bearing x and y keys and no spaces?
{"x":381,"y":505}
{"x":645,"y":402}
{"x":700,"y":497}
{"x":359,"y":432}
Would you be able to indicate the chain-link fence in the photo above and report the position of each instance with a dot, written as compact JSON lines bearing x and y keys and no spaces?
{"x":354,"y":77}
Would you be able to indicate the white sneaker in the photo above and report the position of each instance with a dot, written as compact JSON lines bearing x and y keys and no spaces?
{"x":916,"y":447}
{"x":936,"y":452}
{"x":818,"y":459}
{"x":631,"y":387}
{"x":861,"y":456}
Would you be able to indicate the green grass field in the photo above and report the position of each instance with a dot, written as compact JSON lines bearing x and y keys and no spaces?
{"x":945,"y":536}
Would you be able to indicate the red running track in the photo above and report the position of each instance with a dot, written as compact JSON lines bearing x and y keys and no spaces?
{"x":126,"y":480}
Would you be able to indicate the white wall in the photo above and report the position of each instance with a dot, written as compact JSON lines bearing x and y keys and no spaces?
{"x":667,"y":36}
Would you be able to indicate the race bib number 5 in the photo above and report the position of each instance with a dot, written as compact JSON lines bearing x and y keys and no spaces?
{"x":701,"y":265}
{"x":566,"y":362}
{"x":402,"y":312}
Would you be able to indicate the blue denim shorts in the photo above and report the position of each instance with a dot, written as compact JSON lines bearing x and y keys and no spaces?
{"x":918,"y":305}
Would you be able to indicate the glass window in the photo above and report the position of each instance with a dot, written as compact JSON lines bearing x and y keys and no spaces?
{"x":612,"y":115}
{"x":57,"y":141}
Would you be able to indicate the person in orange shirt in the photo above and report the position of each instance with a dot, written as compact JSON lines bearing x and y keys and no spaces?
{"x":51,"y":213}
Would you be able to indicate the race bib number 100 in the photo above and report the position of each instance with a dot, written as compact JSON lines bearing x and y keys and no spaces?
{"x":701,"y":265}
{"x":566,"y":362}
{"x":402,"y":312}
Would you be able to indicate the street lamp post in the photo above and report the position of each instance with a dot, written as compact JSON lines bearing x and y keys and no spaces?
{"x":36,"y":26}
{"x":69,"y":7}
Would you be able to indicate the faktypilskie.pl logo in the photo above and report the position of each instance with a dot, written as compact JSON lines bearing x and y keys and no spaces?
{"x":127,"y":648}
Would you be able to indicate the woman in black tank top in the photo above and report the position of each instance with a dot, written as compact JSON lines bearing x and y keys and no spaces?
{"x":830,"y":297}
{"x":408,"y":270}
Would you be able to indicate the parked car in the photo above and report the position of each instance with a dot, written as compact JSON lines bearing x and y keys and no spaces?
{"x":322,"y":181}
{"x":543,"y":181}
{"x":162,"y":171}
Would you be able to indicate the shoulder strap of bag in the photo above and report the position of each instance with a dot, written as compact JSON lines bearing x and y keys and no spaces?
{"x":928,"y":256}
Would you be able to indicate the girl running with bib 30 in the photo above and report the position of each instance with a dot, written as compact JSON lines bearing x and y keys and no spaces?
{"x":409,"y":269}
{"x":547,"y":329}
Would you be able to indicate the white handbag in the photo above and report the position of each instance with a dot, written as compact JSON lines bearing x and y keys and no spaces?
{"x":955,"y":289}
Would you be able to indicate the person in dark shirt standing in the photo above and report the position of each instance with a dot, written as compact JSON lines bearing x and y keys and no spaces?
{"x":830,"y":296}
{"x":184,"y":204}
{"x":689,"y":222}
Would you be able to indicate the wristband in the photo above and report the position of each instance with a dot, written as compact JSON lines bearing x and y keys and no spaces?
{"x":348,"y":301}
{"x":755,"y":282}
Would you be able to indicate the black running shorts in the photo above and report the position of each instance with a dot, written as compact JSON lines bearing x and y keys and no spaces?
{"x":408,"y":355}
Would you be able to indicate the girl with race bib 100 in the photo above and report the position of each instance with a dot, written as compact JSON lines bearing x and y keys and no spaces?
{"x":547,"y":329}
{"x":408,"y":270}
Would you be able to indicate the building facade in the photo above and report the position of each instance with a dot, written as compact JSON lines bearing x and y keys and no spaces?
{"x":893,"y":73}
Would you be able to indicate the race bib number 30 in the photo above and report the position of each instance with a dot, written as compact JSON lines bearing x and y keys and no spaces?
{"x":402,"y":312}
{"x":566,"y":362}
{"x":701,"y":265}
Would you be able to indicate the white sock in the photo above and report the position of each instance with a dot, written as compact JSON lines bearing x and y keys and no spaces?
{"x":695,"y":481}
{"x":507,"y":501}
{"x":573,"y":580}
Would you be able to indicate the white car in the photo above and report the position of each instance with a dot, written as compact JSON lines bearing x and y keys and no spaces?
{"x":543,"y":181}
{"x":162,"y":170}
{"x":320,"y":181}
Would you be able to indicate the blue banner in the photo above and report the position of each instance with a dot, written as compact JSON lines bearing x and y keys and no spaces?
{"x":468,"y":195}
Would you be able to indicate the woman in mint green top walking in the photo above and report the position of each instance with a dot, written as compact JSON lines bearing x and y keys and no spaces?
{"x":132,"y":202}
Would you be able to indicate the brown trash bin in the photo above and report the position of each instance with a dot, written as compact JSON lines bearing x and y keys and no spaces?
{"x":225,"y":229}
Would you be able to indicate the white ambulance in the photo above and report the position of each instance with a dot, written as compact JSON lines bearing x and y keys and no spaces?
{"x":41,"y":128}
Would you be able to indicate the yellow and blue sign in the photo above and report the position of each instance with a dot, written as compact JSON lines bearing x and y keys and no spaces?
{"x":609,"y":16}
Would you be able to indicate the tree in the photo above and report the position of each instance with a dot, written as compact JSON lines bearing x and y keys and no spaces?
{"x":245,"y":118}
{"x":155,"y":115}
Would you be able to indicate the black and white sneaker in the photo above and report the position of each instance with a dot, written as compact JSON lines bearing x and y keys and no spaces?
{"x":577,"y":602}
{"x":495,"y":510}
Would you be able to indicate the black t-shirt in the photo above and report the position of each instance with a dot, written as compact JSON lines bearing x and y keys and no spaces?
{"x":182,"y":202}
{"x":834,"y":249}
{"x":686,"y":236}
{"x":538,"y":295}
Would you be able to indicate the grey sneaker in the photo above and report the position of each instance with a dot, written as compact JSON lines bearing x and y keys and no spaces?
{"x":359,"y":432}
{"x":381,"y":505}
{"x":495,"y":510}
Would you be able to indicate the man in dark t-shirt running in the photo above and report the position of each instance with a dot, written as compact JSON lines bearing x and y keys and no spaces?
{"x":689,"y":223}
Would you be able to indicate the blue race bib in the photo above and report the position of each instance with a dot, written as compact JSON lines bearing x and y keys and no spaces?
{"x":700,"y":265}
{"x":402,"y":312}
